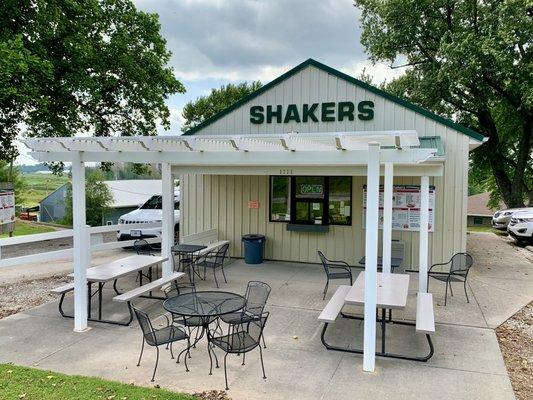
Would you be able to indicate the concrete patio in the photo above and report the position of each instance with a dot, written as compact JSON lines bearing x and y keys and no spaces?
{"x":467,"y":363}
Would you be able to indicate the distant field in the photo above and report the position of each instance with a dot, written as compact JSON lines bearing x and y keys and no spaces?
{"x":38,"y":186}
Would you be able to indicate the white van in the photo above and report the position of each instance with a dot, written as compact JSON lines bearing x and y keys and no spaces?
{"x":149,"y":212}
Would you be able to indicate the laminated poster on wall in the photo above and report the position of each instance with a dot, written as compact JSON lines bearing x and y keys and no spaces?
{"x":7,"y":207}
{"x":405,"y":208}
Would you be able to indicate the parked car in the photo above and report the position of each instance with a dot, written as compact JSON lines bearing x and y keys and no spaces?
{"x":521,"y":227}
{"x":149,"y":212}
{"x":501,"y":218}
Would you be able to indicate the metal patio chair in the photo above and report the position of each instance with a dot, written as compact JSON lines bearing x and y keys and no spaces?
{"x":142,"y":247}
{"x":158,"y":337}
{"x":242,"y":339}
{"x":334,"y":270}
{"x":214,"y":261}
{"x":256,"y":297}
{"x":460,"y":265}
{"x":184,"y":263}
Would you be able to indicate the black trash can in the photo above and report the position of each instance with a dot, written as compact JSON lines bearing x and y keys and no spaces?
{"x":253,"y":248}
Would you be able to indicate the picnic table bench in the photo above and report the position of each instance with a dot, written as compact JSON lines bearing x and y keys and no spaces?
{"x":112,"y":271}
{"x":392,"y":293}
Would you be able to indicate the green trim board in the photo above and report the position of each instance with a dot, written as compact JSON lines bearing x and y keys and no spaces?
{"x":341,"y":75}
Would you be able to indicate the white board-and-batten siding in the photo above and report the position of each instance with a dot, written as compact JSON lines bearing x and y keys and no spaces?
{"x":221,"y":202}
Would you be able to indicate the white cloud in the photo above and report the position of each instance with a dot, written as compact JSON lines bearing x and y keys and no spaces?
{"x":263,"y":73}
{"x":252,"y":39}
{"x":379,"y":72}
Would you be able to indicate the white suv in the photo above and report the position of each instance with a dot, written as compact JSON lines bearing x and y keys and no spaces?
{"x":521,"y":227}
{"x":501,"y":218}
{"x":149,"y":212}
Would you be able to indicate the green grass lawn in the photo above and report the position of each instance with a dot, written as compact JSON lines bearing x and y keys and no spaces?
{"x":27,"y":228}
{"x":38,"y":186}
{"x":32,"y":384}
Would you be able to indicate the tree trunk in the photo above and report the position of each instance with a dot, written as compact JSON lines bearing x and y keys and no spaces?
{"x":518,"y":186}
{"x":491,"y":147}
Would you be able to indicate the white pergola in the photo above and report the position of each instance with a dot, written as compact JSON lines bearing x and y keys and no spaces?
{"x":349,"y":153}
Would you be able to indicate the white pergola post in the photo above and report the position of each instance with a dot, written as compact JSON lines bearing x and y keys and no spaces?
{"x":167,"y":234}
{"x":424,"y":220}
{"x":81,"y":243}
{"x":371,"y":254}
{"x":387,"y":218}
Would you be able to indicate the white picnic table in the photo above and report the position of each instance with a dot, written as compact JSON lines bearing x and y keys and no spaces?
{"x":121,"y":267}
{"x":392,"y":291}
{"x":112,"y":271}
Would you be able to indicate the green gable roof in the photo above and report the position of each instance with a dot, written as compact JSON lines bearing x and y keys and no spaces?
{"x":310,"y":62}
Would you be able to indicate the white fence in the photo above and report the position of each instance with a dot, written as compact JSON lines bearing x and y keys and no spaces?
{"x":97,"y":243}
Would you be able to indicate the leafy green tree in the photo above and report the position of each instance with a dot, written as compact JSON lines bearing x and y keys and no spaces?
{"x":98,"y":199}
{"x":471,"y":60}
{"x":81,"y":66}
{"x":132,"y":171}
{"x":204,"y":107}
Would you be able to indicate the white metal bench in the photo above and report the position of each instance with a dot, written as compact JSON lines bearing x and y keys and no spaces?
{"x":425,"y":318}
{"x":207,"y":238}
{"x":141,"y":290}
{"x":332,"y":310}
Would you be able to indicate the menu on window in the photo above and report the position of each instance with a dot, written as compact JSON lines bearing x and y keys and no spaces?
{"x":405,"y":208}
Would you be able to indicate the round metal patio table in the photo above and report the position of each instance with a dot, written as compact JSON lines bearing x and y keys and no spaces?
{"x":207,"y":306}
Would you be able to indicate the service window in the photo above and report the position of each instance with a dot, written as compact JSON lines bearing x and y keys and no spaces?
{"x":340,"y":200}
{"x":280,"y":195}
{"x":309,"y":199}
{"x":313,"y":200}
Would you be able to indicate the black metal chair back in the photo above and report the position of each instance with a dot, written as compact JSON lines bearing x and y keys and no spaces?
{"x":254,"y":331}
{"x":256,"y":327}
{"x":175,"y":289}
{"x":460,"y":264}
{"x":142,"y":247}
{"x":146,"y":326}
{"x":256,"y":296}
{"x":221,"y":254}
{"x":324,"y":261}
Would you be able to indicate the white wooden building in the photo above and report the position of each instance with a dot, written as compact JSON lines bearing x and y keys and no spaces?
{"x":227,"y":199}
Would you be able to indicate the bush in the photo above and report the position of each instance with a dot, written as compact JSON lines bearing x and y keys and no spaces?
{"x":98,"y":199}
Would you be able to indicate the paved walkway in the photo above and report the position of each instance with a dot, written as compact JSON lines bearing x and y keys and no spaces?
{"x":467,"y":363}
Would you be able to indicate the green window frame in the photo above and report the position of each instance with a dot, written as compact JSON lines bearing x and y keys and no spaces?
{"x":311,"y":200}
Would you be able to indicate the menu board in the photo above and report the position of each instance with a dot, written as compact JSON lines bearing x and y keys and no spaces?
{"x":405,"y":208}
{"x":7,"y":207}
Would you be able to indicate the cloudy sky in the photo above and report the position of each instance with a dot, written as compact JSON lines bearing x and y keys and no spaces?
{"x":215,"y":42}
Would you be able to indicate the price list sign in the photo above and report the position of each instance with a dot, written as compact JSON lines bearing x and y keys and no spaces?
{"x":405,"y":208}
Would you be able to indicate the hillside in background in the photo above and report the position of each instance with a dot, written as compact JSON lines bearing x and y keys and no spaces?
{"x":38,"y":185}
